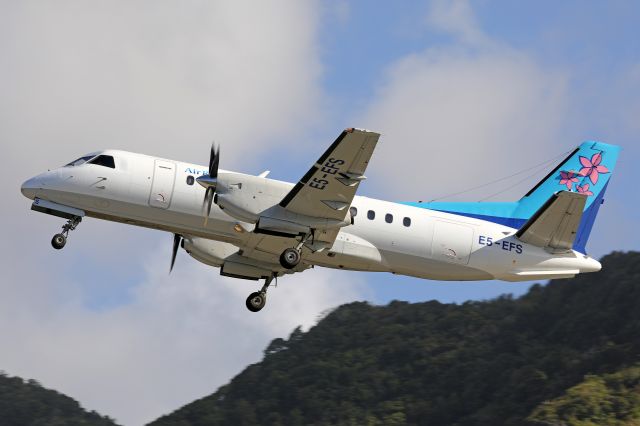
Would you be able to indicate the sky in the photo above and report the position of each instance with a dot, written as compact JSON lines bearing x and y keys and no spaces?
{"x":463,"y":93}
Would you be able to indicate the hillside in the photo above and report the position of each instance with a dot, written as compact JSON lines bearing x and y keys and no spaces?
{"x":479,"y":363}
{"x":607,"y":400}
{"x":27,"y":403}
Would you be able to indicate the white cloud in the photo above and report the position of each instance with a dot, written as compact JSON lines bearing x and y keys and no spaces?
{"x":179,"y":338}
{"x":456,"y":17}
{"x":455,"y":116}
{"x":162,"y":78}
{"x":165,"y":78}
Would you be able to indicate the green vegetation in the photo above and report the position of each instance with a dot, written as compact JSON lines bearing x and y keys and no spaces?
{"x":565,"y":354}
{"x":608,"y":400}
{"x":26,"y":403}
{"x":479,"y":363}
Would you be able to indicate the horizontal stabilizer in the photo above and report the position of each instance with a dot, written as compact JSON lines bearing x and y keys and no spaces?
{"x":555,"y":224}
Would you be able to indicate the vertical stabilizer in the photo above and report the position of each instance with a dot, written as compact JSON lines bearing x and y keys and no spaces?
{"x":587,"y":171}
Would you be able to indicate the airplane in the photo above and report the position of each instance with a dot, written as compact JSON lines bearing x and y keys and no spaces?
{"x":256,"y":228}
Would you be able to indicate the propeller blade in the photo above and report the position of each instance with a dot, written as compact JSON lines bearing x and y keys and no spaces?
{"x":214,"y":161}
{"x":176,"y":244}
{"x":209,"y":182}
{"x":208,"y":200}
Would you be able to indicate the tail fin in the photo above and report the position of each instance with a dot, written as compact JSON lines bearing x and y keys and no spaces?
{"x":586,"y":170}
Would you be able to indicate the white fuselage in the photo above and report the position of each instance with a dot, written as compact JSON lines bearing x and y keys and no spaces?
{"x":155,"y":193}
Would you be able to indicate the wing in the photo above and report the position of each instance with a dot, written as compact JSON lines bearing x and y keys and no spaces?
{"x":328,"y":188}
{"x":555,"y":224}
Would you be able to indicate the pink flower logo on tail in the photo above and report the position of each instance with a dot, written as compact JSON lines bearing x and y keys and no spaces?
{"x":584,"y":189}
{"x":592,"y":168}
{"x":568,"y":179}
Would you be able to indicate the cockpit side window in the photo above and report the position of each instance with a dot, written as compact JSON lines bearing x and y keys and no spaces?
{"x":80,"y":160}
{"x":104,"y":160}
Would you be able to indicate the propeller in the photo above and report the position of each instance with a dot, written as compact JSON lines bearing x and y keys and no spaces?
{"x":210,"y":182}
{"x":176,"y":243}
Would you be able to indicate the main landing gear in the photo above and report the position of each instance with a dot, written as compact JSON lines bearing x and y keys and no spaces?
{"x":290,"y":257}
{"x":59,"y":240}
{"x":257,"y":300}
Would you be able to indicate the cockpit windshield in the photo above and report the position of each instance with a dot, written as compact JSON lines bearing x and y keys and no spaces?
{"x":80,"y":160}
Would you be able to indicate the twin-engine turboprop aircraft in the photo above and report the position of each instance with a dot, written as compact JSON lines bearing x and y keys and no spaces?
{"x":252,"y":227}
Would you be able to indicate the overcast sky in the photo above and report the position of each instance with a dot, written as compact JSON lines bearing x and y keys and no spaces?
{"x":470,"y":91}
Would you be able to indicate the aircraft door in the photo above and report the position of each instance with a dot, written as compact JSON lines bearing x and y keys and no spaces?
{"x":164,"y":174}
{"x":451,"y":242}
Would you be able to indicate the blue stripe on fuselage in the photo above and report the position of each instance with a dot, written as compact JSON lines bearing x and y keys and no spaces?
{"x":511,"y":222}
{"x":500,"y":213}
{"x":466,"y":210}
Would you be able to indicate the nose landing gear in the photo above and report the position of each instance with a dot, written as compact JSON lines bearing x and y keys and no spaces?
{"x":258,"y":299}
{"x":60,"y":240}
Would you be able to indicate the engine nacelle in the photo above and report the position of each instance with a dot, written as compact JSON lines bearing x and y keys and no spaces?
{"x":225,"y":256}
{"x":209,"y":252}
{"x":244,"y":197}
{"x":234,"y":205}
{"x":253,"y":199}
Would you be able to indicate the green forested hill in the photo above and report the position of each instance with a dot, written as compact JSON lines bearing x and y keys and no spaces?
{"x":607,"y":400}
{"x":26,"y":403}
{"x":479,"y":363}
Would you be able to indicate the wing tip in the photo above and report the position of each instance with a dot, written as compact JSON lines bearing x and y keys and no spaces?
{"x":359,"y":130}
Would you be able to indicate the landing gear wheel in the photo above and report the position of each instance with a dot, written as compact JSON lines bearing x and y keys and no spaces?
{"x":290,"y":258}
{"x":256,"y":301}
{"x":58,"y":241}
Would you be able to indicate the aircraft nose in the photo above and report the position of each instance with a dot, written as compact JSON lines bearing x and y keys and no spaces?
{"x":29,"y":188}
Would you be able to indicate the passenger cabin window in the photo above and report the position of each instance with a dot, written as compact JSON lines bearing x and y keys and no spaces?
{"x":190,"y":180}
{"x":104,"y":160}
{"x":353,"y":211}
{"x":371,"y":215}
{"x":388,"y":218}
{"x":406,"y":221}
{"x":80,"y":160}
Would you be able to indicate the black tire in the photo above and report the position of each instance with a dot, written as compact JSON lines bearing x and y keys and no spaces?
{"x":58,"y":241}
{"x":290,"y":258}
{"x":256,"y":301}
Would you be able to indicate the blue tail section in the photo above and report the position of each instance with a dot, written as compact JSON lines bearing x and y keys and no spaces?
{"x":586,"y":170}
